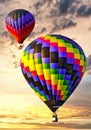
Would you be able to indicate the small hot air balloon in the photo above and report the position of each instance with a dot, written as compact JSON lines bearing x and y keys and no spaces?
{"x":53,"y":65}
{"x":20,"y":24}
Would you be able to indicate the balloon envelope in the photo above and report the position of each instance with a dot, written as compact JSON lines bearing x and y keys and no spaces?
{"x":20,"y":24}
{"x":53,"y":65}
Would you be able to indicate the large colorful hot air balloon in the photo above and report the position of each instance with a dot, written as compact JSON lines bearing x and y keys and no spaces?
{"x":20,"y":24}
{"x":53,"y":65}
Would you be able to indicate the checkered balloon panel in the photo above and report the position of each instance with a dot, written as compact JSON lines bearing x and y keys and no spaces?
{"x":53,"y":65}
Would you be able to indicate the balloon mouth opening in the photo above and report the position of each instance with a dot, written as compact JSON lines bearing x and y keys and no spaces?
{"x":19,"y":41}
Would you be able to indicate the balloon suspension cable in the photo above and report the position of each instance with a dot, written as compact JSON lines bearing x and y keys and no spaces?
{"x":54,"y":117}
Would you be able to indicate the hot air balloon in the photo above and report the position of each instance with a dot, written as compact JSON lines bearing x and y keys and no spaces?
{"x":20,"y":24}
{"x":53,"y":65}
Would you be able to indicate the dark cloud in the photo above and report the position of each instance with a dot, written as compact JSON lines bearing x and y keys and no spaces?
{"x":88,"y":61}
{"x":83,"y":10}
{"x":2,"y":1}
{"x":64,"y":5}
{"x":74,"y":7}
